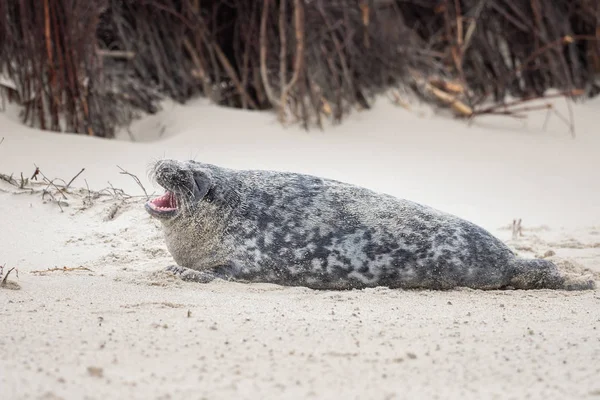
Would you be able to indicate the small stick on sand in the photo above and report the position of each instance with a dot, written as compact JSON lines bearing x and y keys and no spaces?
{"x":137,"y":180}
{"x":517,"y":230}
{"x":89,"y":196}
{"x":9,"y":179}
{"x":23,"y":182}
{"x":75,"y":177}
{"x":116,"y":192}
{"x":63,"y":269}
{"x":6,"y":276}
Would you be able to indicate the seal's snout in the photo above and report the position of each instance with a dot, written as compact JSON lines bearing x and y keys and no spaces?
{"x":177,"y":180}
{"x":172,"y":175}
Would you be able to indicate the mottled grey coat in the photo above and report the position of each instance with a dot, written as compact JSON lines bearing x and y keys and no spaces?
{"x":300,"y":230}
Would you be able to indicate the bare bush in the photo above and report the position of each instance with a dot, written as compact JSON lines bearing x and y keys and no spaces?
{"x":89,"y":66}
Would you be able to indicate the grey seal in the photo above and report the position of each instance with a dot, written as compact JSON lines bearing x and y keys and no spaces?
{"x":300,"y":230}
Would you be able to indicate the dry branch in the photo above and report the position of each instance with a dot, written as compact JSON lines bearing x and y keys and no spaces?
{"x":45,"y":187}
{"x":9,"y":179}
{"x":136,"y":179}
{"x":457,"y":105}
{"x":263,"y":55}
{"x":5,"y":279}
{"x":495,"y":107}
{"x":116,"y":54}
{"x":75,"y":177}
{"x":299,"y":57}
{"x":200,"y":71}
{"x":63,"y":269}
{"x":232,"y":75}
{"x":282,"y":47}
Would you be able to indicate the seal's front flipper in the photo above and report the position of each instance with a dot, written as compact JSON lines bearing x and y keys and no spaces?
{"x":191,"y":275}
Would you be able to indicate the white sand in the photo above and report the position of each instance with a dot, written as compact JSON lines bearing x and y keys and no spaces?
{"x":124,"y":329}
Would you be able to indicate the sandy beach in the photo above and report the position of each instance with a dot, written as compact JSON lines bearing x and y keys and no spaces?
{"x":92,"y":314}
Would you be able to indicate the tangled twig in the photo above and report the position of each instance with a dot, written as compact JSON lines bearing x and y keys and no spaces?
{"x":136,"y":179}
{"x":49,"y":182}
{"x":53,"y":186}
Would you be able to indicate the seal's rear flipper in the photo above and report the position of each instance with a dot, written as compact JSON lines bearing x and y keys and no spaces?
{"x":543,"y":274}
{"x":579,"y":283}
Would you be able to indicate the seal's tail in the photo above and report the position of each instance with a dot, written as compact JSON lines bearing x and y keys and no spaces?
{"x":543,"y":274}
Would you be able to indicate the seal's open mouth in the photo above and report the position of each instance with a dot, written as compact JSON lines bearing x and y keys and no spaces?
{"x":163,"y":206}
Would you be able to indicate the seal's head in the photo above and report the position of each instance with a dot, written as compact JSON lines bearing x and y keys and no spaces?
{"x":185,"y":187}
{"x":193,"y":212}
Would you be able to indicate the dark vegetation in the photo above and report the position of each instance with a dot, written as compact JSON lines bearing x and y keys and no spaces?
{"x":90,"y":66}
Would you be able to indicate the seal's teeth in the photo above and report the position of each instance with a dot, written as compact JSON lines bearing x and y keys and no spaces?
{"x":164,"y":204}
{"x":164,"y":208}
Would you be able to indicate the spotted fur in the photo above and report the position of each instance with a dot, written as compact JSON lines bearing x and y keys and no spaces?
{"x":301,"y":230}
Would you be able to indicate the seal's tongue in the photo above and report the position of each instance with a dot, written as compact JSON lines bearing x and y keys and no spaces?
{"x":164,"y":203}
